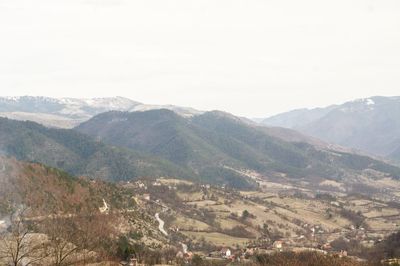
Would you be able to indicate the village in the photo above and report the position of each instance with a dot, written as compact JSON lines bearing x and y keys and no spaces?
{"x":217,"y":223}
{"x":174,"y":221}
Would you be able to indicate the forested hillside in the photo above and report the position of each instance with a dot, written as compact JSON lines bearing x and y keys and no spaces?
{"x":77,"y":153}
{"x":217,"y":146}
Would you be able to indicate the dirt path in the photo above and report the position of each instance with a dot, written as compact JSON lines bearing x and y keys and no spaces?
{"x":105,"y":207}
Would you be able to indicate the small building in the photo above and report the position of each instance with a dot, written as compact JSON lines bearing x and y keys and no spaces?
{"x":335,"y":203}
{"x":278,"y":244}
{"x":214,"y":254}
{"x":179,"y":255}
{"x":391,"y":261}
{"x":188,"y":255}
{"x":226,"y":253}
{"x":140,"y":184}
{"x":146,"y":197}
{"x":132,"y":261}
{"x":249,"y":252}
{"x":174,"y":229}
{"x":326,"y":246}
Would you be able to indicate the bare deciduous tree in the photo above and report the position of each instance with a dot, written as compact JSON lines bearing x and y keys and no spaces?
{"x":17,"y":245}
{"x":61,"y":233}
{"x":95,"y":233}
{"x":75,"y":238}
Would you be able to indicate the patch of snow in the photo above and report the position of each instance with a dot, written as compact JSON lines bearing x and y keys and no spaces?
{"x":115,"y":103}
{"x":72,"y":110}
{"x":12,"y":98}
{"x":370,"y":102}
{"x":183,"y":111}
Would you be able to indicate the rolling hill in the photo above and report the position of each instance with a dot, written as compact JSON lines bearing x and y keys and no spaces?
{"x":78,"y":154}
{"x":45,"y":189}
{"x":65,"y":220}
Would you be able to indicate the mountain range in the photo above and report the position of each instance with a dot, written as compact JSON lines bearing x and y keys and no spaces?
{"x":370,"y":125}
{"x":218,"y":146}
{"x":213,"y":147}
{"x":70,"y":112}
{"x":149,"y":178}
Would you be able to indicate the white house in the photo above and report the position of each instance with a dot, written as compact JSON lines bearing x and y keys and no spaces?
{"x":226,"y":252}
{"x":278,"y":244}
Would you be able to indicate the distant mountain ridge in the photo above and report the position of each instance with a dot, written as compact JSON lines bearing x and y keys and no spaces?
{"x":69,"y":112}
{"x":296,"y":118}
{"x":371,"y":125}
{"x":68,"y":107}
{"x":212,"y":147}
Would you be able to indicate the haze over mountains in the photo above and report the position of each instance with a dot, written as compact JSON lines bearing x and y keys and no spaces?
{"x":220,"y":148}
{"x":143,"y":172}
{"x":69,"y":112}
{"x":214,"y":147}
{"x":368,"y":125}
{"x":127,"y":134}
{"x":77,"y":153}
{"x":371,"y":125}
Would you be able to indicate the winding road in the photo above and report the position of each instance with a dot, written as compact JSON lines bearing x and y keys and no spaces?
{"x":161,"y":224}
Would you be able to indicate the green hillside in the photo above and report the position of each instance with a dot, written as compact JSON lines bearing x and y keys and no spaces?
{"x":213,"y":143}
{"x":78,"y":154}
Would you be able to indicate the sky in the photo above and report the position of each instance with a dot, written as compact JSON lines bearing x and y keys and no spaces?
{"x":253,"y":58}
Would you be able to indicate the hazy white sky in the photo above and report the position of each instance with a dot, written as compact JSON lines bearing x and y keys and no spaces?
{"x":249,"y":57}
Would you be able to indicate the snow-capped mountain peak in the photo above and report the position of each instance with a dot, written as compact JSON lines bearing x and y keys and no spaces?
{"x":73,"y":111}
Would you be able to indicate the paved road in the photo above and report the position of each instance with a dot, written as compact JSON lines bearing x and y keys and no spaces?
{"x":161,"y":224}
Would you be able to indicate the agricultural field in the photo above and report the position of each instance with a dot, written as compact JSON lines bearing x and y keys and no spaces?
{"x":215,"y":216}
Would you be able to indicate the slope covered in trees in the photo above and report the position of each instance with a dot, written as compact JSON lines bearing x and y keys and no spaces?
{"x":78,"y":154}
{"x":216,"y":145}
{"x":370,"y":125}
